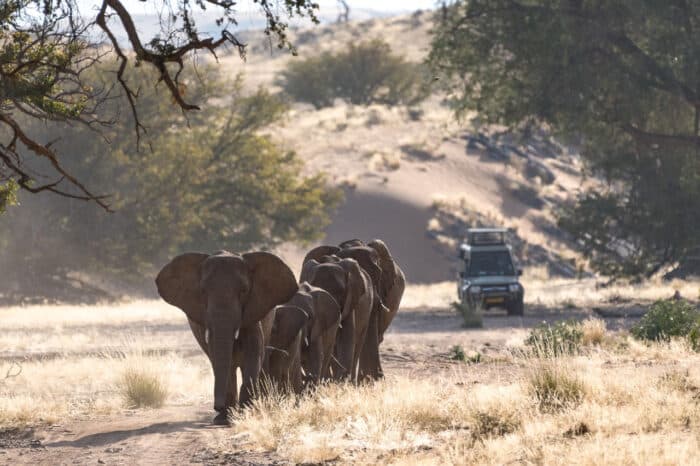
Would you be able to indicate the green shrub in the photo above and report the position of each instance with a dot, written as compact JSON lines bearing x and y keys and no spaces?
{"x":457,"y":353}
{"x":553,"y":340}
{"x":472,"y":315}
{"x":669,"y":318}
{"x":362,"y":74}
{"x":694,"y":336}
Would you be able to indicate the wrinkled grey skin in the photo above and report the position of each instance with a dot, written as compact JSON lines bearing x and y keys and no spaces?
{"x":388,"y":283}
{"x":303,"y":337}
{"x":351,"y":287}
{"x":228,"y":299}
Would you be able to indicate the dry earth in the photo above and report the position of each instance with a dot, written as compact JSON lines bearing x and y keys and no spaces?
{"x":65,"y":406}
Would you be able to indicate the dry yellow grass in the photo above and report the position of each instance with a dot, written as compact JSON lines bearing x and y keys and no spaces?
{"x":540,"y":290}
{"x":612,"y":410}
{"x":593,"y":332}
{"x":631,"y":403}
{"x":73,"y":359}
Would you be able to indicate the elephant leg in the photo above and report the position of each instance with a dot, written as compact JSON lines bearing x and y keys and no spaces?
{"x":344,"y":350}
{"x":328,"y":345}
{"x":370,"y":363}
{"x":314,"y":366}
{"x":294,"y":373}
{"x":252,"y":342}
{"x":360,"y":342}
{"x":200,"y":335}
{"x":277,"y":370}
{"x":232,"y":392}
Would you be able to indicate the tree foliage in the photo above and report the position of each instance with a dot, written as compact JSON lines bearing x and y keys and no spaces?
{"x":222,"y":182}
{"x":47,"y":46}
{"x":617,"y":80}
{"x":362,"y":74}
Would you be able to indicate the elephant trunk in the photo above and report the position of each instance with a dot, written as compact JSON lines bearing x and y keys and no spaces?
{"x":223,"y":329}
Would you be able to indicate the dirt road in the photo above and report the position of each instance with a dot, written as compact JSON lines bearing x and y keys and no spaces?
{"x":417,"y":344}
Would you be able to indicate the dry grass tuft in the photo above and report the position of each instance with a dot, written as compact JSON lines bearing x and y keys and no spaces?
{"x":554,"y":386}
{"x":593,"y":332}
{"x":140,"y":387}
{"x":495,"y":422}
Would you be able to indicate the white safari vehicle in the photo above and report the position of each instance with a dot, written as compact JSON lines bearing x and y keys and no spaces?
{"x":489,"y":277}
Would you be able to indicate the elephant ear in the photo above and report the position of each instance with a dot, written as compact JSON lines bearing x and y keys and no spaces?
{"x":271,"y":283}
{"x":368,"y":260}
{"x":326,"y":312}
{"x":307,"y":270}
{"x":387,"y":264}
{"x":178,"y":284}
{"x":355,"y":285}
{"x":318,"y":252}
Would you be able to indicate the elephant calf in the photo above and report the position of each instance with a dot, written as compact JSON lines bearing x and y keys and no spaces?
{"x":303,"y":336}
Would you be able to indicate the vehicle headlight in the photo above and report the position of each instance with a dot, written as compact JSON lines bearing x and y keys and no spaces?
{"x":475,"y":289}
{"x":513,"y":287}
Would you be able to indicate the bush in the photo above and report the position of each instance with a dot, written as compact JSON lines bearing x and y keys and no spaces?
{"x":472,"y":315}
{"x":142,"y":389}
{"x":563,"y":337}
{"x":362,"y":74}
{"x":669,"y":318}
{"x":694,"y":336}
{"x":554,"y":387}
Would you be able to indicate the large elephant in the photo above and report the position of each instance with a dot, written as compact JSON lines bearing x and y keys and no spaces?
{"x":351,"y":287}
{"x":228,"y":299}
{"x":311,"y":318}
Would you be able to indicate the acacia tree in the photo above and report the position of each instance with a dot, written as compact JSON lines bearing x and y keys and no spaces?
{"x":619,"y":80}
{"x":46,"y":47}
{"x":217,"y":181}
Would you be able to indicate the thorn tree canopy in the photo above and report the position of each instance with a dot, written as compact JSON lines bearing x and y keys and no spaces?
{"x":47,"y":45}
{"x":617,"y":80}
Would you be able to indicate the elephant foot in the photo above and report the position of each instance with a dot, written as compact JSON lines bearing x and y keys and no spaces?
{"x":221,"y":419}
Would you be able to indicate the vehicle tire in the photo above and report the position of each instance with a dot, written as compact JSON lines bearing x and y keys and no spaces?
{"x":516,"y":308}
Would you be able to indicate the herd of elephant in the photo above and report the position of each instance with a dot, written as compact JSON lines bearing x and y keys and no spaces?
{"x":248,"y":311}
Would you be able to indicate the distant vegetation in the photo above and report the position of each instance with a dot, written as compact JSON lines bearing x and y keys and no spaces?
{"x":616,"y":80}
{"x":221,"y":183}
{"x":670,"y":318}
{"x":362,"y":74}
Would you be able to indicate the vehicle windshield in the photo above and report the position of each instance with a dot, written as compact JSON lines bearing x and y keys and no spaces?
{"x":491,"y":263}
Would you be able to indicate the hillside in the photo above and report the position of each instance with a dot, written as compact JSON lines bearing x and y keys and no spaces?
{"x":411,"y":174}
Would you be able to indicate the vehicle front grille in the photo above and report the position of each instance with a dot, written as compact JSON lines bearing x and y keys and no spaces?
{"x":494,"y":289}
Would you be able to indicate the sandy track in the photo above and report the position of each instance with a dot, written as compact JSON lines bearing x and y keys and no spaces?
{"x":418,"y":344}
{"x":165,"y":436}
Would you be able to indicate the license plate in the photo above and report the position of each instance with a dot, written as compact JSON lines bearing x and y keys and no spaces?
{"x":494,"y":300}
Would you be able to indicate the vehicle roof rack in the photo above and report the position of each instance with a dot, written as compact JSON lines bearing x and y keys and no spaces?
{"x":486,"y":236}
